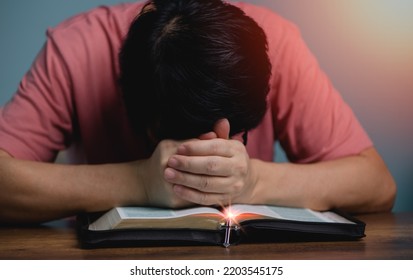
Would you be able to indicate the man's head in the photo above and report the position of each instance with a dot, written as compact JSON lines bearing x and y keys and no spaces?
{"x":186,"y":64}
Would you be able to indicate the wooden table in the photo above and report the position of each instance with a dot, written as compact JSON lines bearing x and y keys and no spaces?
{"x":389,"y":236}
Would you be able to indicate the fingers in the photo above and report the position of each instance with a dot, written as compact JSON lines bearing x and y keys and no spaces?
{"x":213,"y":147}
{"x":203,"y":183}
{"x":202,"y":198}
{"x":214,"y":166}
{"x":211,"y":165}
{"x":209,"y":170}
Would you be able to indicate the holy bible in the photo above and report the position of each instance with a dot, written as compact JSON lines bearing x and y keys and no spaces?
{"x":150,"y":226}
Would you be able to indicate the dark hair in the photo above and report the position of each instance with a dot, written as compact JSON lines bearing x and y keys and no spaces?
{"x":187,"y":63}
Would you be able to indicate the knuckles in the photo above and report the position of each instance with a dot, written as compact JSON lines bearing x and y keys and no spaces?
{"x":212,"y":166}
{"x":204,"y":183}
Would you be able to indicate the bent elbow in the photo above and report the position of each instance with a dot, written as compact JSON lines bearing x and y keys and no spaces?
{"x":389,"y":193}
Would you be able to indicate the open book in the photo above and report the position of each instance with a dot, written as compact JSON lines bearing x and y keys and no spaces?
{"x":207,"y":225}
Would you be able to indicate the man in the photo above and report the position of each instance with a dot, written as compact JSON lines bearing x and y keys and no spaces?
{"x":167,"y":123}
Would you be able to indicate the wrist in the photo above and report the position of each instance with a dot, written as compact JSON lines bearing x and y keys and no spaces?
{"x":125,"y":183}
{"x":141,"y":173}
{"x":258,"y":183}
{"x":266,"y":188}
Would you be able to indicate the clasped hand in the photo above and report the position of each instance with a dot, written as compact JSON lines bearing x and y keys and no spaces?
{"x":211,"y":170}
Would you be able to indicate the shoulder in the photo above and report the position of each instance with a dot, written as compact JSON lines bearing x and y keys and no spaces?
{"x":104,"y":25}
{"x":86,"y":45}
{"x":102,"y":17}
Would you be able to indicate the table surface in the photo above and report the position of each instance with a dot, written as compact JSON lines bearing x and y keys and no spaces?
{"x":388,"y":236}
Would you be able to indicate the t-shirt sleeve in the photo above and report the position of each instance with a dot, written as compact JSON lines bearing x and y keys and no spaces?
{"x":36,"y":123}
{"x":312,"y":121}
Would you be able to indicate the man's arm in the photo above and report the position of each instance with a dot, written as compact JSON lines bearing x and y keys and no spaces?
{"x":37,"y":192}
{"x":360,"y":183}
{"x":32,"y":192}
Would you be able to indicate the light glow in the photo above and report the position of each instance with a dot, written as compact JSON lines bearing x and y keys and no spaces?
{"x":231,"y":215}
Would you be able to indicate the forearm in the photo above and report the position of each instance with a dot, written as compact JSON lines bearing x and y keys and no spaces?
{"x":36,"y":192}
{"x":356,"y":184}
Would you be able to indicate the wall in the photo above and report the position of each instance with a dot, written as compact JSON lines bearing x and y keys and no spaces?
{"x":365,"y":46}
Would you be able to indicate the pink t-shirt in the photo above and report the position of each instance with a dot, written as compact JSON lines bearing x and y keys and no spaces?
{"x":70,"y":97}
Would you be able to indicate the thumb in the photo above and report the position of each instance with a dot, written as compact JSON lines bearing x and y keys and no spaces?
{"x":222,"y":128}
{"x":208,"y":136}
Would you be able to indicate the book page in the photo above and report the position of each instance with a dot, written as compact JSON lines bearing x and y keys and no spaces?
{"x":152,"y":217}
{"x":288,"y":213}
{"x":163,"y":213}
